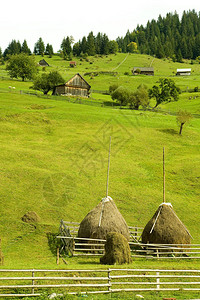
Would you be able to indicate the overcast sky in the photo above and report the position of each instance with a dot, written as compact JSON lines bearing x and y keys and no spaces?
{"x":54,"y":20}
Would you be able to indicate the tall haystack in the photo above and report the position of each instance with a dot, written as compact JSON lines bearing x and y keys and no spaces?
{"x":165,"y":228}
{"x":102,"y":219}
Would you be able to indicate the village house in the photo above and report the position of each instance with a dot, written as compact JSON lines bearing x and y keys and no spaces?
{"x":143,"y":71}
{"x":76,"y":86}
{"x":182,"y":72}
{"x":43,"y":63}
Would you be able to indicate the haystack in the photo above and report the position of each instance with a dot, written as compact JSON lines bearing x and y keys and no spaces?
{"x":31,"y":217}
{"x":165,"y":228}
{"x":117,"y":250}
{"x":102,"y":219}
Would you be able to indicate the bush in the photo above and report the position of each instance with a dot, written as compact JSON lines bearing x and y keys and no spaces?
{"x":113,"y":87}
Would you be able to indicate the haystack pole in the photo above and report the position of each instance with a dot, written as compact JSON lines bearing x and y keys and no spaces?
{"x":107,"y":182}
{"x":108,"y":168}
{"x":165,"y":227}
{"x":163,"y":174}
{"x":105,"y":217}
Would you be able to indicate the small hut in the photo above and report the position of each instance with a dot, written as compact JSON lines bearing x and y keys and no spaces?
{"x":102,"y":219}
{"x":72,"y":64}
{"x":43,"y":63}
{"x":165,"y":228}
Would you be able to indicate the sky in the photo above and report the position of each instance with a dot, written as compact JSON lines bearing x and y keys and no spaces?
{"x":53,"y":20}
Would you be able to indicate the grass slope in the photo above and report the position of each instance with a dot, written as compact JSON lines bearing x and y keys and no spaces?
{"x":53,"y":161}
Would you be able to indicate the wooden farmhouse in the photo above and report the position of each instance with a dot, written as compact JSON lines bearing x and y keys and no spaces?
{"x":183,"y":72}
{"x":43,"y":63}
{"x":76,"y":86}
{"x":143,"y":71}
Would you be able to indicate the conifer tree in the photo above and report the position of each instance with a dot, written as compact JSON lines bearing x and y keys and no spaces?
{"x":91,"y":44}
{"x":25,"y":49}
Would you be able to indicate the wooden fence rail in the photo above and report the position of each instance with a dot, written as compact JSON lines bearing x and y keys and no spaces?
{"x":33,"y":282}
{"x":95,"y":247}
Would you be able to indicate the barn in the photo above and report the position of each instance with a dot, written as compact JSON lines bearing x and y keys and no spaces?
{"x":76,"y":86}
{"x":183,"y":72}
{"x":143,"y":71}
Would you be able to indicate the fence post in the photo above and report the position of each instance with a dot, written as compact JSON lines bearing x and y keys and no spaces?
{"x":33,"y":282}
{"x":58,"y":254}
{"x":158,"y":280}
{"x":109,"y":280}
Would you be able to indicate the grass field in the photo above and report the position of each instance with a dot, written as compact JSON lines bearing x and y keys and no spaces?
{"x":53,"y":160}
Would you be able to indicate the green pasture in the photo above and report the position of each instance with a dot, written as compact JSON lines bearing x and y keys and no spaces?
{"x":53,"y":158}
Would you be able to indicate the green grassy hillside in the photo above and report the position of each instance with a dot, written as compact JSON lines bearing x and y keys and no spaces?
{"x":53,"y":161}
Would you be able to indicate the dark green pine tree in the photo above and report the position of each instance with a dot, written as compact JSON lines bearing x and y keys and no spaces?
{"x":13,"y":48}
{"x":66,"y":47}
{"x":105,"y":45}
{"x":98,"y":43}
{"x":179,"y":57}
{"x":160,"y":53}
{"x":25,"y":49}
{"x":77,"y":49}
{"x":49,"y":50}
{"x":91,"y":44}
{"x":196,"y":52}
{"x":184,"y":47}
{"x":84,"y":45}
{"x":39,"y":47}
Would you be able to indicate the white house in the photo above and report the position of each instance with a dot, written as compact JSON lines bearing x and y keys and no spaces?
{"x":182,"y":72}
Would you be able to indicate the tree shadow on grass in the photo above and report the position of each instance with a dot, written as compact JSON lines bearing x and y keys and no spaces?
{"x":169,"y":131}
{"x":111,"y":104}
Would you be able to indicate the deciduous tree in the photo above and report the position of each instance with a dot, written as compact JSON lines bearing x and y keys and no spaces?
{"x":121,"y":94}
{"x":47,"y":81}
{"x":165,"y":91}
{"x":139,"y":98}
{"x":183,"y":117}
{"x":21,"y":65}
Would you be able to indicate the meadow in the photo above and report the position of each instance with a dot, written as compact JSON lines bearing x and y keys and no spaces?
{"x":53,"y":158}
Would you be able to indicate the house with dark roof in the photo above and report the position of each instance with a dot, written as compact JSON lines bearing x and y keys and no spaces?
{"x":76,"y":86}
{"x":43,"y":63}
{"x":143,"y":71}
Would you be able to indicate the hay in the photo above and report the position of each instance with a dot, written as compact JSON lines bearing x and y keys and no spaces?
{"x":165,"y":228}
{"x":117,"y":250}
{"x":110,"y":219}
{"x":31,"y":217}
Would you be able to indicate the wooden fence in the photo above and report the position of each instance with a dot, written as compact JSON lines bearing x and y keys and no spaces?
{"x":71,"y":228}
{"x":95,"y":247}
{"x":20,"y":283}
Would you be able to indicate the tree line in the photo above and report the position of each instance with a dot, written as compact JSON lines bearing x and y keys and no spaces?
{"x":90,"y":45}
{"x":169,"y":36}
